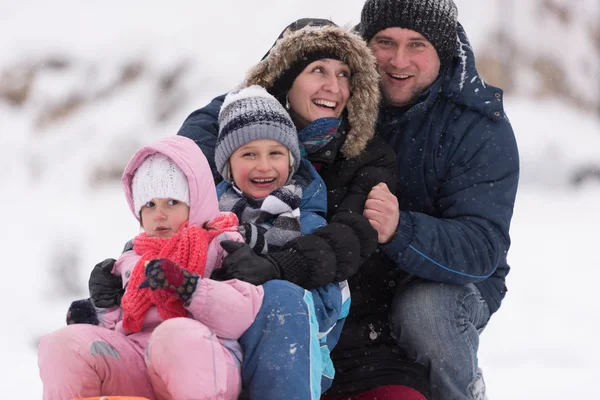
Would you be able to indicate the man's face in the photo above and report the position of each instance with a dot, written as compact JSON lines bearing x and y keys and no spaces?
{"x":407,"y":62}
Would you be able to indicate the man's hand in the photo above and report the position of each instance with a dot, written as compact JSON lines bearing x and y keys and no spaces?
{"x":383,"y":212}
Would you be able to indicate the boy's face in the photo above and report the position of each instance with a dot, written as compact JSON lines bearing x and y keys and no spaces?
{"x":260,"y":167}
{"x":163,"y":217}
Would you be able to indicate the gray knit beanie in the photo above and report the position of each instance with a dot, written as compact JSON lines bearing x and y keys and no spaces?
{"x":434,"y":19}
{"x":253,"y":114}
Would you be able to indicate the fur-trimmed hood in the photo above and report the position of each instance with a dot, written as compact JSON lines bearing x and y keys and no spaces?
{"x":363,"y":104}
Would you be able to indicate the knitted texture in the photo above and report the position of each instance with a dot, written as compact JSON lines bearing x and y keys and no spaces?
{"x":188,"y":248}
{"x":294,"y":268}
{"x":434,"y":19}
{"x":164,"y":274}
{"x":158,"y":177}
{"x":269,"y":223}
{"x":253,"y":114}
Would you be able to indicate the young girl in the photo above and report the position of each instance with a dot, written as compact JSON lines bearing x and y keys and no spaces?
{"x":142,"y":348}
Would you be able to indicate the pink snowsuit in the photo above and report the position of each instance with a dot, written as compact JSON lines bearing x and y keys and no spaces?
{"x":197,"y":357}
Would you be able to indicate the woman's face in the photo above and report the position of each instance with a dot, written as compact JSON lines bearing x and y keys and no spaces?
{"x":321,"y":90}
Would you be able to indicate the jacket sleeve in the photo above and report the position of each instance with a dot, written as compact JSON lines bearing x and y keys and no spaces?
{"x":478,"y":185}
{"x":381,"y":166}
{"x":228,"y":308}
{"x":110,"y":317}
{"x":313,"y":206}
{"x":202,"y":126}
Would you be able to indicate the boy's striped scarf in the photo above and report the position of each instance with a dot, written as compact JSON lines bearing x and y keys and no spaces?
{"x":188,"y":248}
{"x":266,"y":224}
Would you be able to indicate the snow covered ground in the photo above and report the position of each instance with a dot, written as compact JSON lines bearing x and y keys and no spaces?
{"x":541,"y":344}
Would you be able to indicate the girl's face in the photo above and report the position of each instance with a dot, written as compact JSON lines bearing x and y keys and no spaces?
{"x":260,"y":167}
{"x":163,"y":217}
{"x":321,"y":90}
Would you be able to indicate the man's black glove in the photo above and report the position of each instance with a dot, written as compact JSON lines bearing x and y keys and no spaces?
{"x":106,"y":289}
{"x":366,"y":234}
{"x":244,"y":264}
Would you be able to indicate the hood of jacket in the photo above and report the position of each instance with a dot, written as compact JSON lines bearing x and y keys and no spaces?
{"x":188,"y":156}
{"x":462,"y":84}
{"x":363,"y":104}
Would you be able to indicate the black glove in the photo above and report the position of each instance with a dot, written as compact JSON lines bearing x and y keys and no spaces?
{"x":346,"y":247}
{"x":82,"y":312}
{"x":308,"y":261}
{"x":167,"y":275}
{"x":106,"y":289}
{"x":366,"y":234}
{"x":244,"y":264}
{"x":360,"y":187}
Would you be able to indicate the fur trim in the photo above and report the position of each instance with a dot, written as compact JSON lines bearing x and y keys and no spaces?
{"x":363,"y":104}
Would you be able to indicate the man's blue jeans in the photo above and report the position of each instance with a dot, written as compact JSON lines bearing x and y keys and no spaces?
{"x":439,"y":325}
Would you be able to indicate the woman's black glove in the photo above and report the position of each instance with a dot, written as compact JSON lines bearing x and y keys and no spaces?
{"x":106,"y":289}
{"x":345,"y":245}
{"x":244,"y":264}
{"x":366,"y":234}
{"x":308,"y":261}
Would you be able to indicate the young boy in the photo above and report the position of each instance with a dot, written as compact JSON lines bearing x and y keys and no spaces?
{"x":276,"y":194}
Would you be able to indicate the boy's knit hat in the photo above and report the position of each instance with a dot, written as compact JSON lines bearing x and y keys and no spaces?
{"x":253,"y":114}
{"x":434,"y":19}
{"x":158,"y":177}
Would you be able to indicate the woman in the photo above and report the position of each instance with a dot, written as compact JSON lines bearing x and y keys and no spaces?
{"x":351,"y":160}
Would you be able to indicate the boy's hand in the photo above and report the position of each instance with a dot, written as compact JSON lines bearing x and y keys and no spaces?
{"x":164,"y":274}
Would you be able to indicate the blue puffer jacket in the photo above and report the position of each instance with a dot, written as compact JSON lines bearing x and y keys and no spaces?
{"x":459,"y":169}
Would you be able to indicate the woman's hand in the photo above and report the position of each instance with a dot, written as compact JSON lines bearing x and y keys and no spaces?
{"x":244,"y":264}
{"x":383,"y":212}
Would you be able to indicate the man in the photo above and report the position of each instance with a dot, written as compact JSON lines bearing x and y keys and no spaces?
{"x":458,"y":164}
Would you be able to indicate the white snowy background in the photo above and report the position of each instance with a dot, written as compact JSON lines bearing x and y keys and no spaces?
{"x":84,"y":84}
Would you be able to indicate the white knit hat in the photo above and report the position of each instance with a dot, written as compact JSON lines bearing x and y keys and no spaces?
{"x":158,"y":177}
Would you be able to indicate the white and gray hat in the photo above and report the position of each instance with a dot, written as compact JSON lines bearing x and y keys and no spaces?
{"x":253,"y":114}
